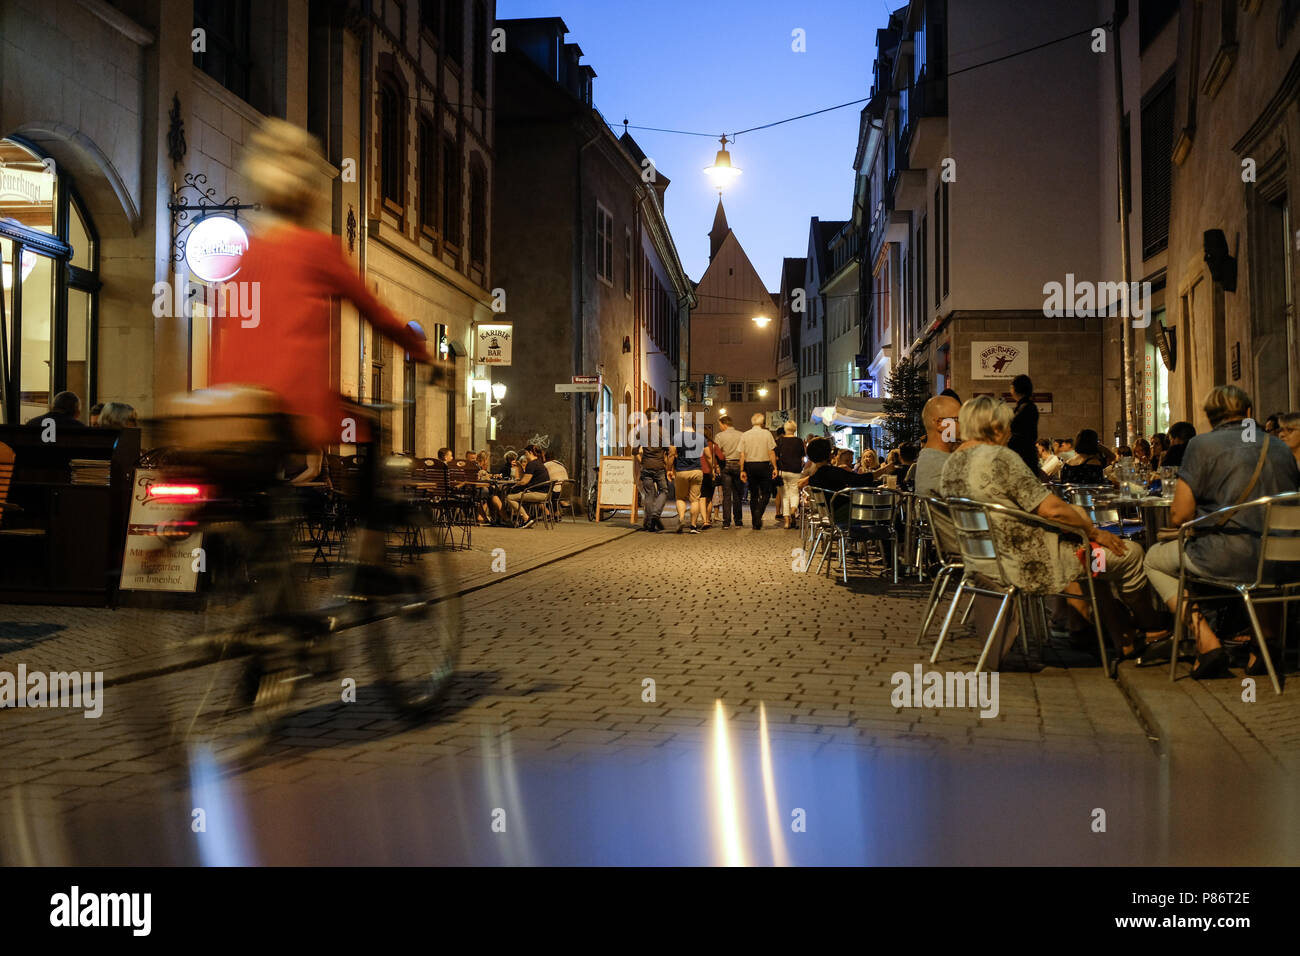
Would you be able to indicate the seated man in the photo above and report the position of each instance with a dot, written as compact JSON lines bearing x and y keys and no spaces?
{"x":984,"y":469}
{"x":534,"y":476}
{"x":828,"y":477}
{"x":1218,"y":470}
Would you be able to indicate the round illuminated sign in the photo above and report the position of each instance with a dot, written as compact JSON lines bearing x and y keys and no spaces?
{"x":216,"y":248}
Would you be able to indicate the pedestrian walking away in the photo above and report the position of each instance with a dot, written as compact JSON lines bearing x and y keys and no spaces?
{"x":758,"y":464}
{"x":656,"y":466}
{"x":728,"y":440}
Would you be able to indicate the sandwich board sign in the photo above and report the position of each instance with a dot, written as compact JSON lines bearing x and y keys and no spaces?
{"x":616,"y":485}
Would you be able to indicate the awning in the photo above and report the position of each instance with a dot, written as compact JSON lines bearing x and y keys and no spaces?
{"x":851,"y":410}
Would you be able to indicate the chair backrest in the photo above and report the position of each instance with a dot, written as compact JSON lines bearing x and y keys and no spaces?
{"x":1281,"y":531}
{"x":944,"y":530}
{"x":870,"y":507}
{"x":973,"y":530}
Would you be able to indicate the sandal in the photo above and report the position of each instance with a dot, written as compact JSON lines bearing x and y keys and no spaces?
{"x":1210,"y":665}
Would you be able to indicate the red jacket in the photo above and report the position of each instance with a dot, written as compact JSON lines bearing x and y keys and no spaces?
{"x":286,"y":346}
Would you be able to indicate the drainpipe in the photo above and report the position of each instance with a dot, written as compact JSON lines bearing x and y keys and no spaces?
{"x":580,"y":274}
{"x":366,"y":106}
{"x":1129,"y":394}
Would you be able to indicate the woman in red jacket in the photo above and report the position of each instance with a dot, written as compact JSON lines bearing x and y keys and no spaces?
{"x":291,"y":272}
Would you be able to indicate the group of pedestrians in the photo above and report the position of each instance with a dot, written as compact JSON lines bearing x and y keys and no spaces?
{"x":749,"y":464}
{"x":695,"y":465}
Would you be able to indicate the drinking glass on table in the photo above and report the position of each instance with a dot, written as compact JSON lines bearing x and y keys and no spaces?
{"x":1168,"y":481}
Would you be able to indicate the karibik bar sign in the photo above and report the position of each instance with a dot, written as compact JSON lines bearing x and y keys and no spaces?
{"x":492,"y":343}
{"x":990,"y":360}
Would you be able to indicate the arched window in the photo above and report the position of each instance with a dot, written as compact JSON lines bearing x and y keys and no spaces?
{"x":50,"y":257}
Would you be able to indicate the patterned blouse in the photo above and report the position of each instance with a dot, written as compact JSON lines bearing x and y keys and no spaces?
{"x":1034,"y":558}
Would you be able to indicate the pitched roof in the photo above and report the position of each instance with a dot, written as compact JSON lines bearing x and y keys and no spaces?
{"x":719,"y":230}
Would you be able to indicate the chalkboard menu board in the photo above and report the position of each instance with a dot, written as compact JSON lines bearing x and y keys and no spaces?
{"x":616,"y":485}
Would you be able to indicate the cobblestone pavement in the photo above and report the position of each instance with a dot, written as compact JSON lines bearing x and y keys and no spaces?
{"x":556,"y":676}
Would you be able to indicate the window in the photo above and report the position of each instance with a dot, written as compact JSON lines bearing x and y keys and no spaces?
{"x":736,"y":391}
{"x":225,"y":25}
{"x":50,"y":311}
{"x":451,"y":191}
{"x":428,"y":174}
{"x":477,"y":213}
{"x":391,"y":166}
{"x":947,"y":254}
{"x":604,"y":244}
{"x":431,"y":16}
{"x":938,"y":248}
{"x":1157,"y":165}
{"x":751,"y":391}
{"x":627,"y":263}
{"x":1152,"y":17}
{"x":480,"y":48}
{"x":454,"y":30}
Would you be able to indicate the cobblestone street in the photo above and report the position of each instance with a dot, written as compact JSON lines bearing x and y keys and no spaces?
{"x":555,"y":679}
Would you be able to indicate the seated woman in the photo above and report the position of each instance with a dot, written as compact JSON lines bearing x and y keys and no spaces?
{"x":984,"y":469}
{"x":1220,"y":469}
{"x":1088,"y":466}
{"x":1288,"y":429}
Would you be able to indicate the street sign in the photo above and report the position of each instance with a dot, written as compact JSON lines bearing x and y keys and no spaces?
{"x":586,"y":380}
{"x":578,"y":387}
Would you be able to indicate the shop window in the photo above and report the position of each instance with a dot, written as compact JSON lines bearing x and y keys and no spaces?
{"x":48,"y":251}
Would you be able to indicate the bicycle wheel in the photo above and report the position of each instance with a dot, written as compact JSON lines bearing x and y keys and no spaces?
{"x":412,"y":632}
{"x":237,"y":678}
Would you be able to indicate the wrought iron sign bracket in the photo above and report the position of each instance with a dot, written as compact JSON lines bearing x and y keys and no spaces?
{"x":186,"y":215}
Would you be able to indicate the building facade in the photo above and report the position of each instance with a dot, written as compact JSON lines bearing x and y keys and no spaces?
{"x":976,"y":189}
{"x":793,"y":301}
{"x":583,"y":255}
{"x":727,"y":344}
{"x":117,"y":152}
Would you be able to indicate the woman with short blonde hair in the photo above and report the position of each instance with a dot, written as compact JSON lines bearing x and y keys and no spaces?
{"x":1226,"y":402}
{"x":984,"y":419}
{"x":118,"y":415}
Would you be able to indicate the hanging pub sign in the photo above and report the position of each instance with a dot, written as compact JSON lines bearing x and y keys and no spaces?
{"x":492,"y":343}
{"x":1167,"y":344}
{"x":215,"y":248}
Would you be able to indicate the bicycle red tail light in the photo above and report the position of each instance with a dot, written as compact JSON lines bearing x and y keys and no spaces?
{"x":178,"y":492}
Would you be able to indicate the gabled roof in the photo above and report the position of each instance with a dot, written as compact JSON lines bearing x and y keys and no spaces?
{"x":792,"y":272}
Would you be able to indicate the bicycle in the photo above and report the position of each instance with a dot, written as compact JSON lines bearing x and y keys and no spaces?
{"x":259,"y":641}
{"x":606,"y":512}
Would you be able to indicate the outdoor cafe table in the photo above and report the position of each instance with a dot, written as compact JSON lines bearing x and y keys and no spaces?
{"x":1152,"y":512}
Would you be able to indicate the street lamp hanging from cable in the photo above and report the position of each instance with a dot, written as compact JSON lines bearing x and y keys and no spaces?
{"x":722,"y":173}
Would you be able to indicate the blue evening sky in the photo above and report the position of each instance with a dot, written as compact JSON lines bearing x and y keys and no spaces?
{"x":722,"y":67}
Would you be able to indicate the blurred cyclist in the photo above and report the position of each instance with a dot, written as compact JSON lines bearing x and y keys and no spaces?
{"x":286,"y":346}
{"x":295,"y":271}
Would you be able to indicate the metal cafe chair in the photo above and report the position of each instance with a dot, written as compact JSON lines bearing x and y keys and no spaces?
{"x":562,"y":494}
{"x":975,"y":525}
{"x":1275,"y":581}
{"x":919,"y":550}
{"x":869,"y":517}
{"x":819,"y":526}
{"x":949,"y":551}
